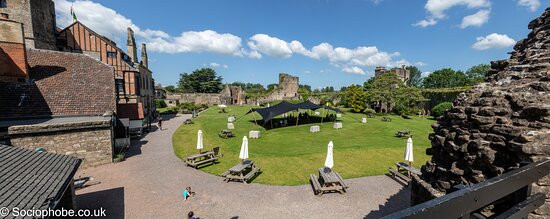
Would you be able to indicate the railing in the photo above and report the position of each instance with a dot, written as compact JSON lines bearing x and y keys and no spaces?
{"x":465,"y":202}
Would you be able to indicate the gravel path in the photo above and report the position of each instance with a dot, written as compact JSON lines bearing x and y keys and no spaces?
{"x":149,"y":185}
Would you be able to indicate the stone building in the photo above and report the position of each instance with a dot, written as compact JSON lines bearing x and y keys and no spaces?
{"x":38,"y":18}
{"x":497,"y":125}
{"x":160,"y":92}
{"x":133,"y":79}
{"x":232,"y":95}
{"x":42,"y":104}
{"x":402,"y":73}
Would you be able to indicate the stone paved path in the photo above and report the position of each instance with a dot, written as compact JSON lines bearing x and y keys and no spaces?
{"x":149,"y":185}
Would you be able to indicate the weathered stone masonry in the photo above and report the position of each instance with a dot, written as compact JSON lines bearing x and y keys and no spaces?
{"x":497,"y":125}
{"x":89,"y":140}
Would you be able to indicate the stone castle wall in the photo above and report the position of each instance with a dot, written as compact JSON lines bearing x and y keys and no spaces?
{"x":497,"y":125}
{"x":91,"y":141}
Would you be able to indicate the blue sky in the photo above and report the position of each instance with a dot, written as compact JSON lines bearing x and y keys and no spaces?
{"x":324,"y":42}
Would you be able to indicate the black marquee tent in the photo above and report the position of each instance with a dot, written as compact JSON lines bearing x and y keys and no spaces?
{"x":271,"y":112}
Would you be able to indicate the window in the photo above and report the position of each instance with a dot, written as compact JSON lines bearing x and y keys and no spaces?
{"x":3,"y":4}
{"x":119,"y":83}
{"x":111,"y":54}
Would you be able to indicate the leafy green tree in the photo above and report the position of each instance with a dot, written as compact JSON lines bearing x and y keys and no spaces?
{"x":305,"y":87}
{"x":415,"y":77}
{"x":356,"y":98}
{"x":170,"y":88}
{"x":204,"y":80}
{"x":271,"y":87}
{"x":407,"y":100}
{"x":446,"y":78}
{"x":440,"y":109}
{"x":477,"y":74}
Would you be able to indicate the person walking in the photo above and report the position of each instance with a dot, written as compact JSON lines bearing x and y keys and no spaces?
{"x":159,"y":119}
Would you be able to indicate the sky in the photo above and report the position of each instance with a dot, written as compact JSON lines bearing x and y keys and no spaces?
{"x":324,"y":42}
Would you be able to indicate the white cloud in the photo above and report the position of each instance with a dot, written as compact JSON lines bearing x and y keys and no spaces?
{"x":437,"y":9}
{"x":420,"y":64}
{"x":493,"y":41}
{"x":475,"y":20}
{"x":426,"y":73}
{"x":216,"y":65}
{"x":426,"y":22}
{"x":113,"y":25}
{"x":199,"y":41}
{"x":533,"y":5}
{"x":354,"y":70}
{"x":101,"y":19}
{"x":271,"y":46}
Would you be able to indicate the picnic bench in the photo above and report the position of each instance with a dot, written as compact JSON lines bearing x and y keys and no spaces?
{"x":337,"y":125}
{"x":254,"y":134}
{"x":314,"y":128}
{"x":242,"y":172}
{"x":230,"y":126}
{"x":226,"y":134}
{"x":403,"y":133}
{"x":202,"y":158}
{"x":370,"y":115}
{"x":328,"y":181}
{"x":188,"y":121}
{"x":386,"y":119}
{"x":403,"y":172}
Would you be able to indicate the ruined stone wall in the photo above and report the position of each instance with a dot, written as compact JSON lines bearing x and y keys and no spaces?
{"x":92,"y":144}
{"x":499,"y":124}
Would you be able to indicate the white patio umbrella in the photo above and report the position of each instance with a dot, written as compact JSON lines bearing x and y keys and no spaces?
{"x":329,"y":162}
{"x":200,"y":144}
{"x":409,"y":151}
{"x":244,"y":149}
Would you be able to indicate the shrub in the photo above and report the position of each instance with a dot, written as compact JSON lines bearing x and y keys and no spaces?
{"x":159,"y":103}
{"x":369,"y":111}
{"x":440,"y":109}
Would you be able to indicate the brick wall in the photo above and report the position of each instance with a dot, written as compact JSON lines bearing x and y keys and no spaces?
{"x":62,"y":84}
{"x":12,"y":62}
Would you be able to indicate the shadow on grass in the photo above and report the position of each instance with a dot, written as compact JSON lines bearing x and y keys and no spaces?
{"x":397,"y":202}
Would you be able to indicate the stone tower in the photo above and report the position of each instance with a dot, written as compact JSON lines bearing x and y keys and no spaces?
{"x":497,"y":125}
{"x":144,"y":60}
{"x":289,"y":85}
{"x":132,"y":50}
{"x":38,"y":19}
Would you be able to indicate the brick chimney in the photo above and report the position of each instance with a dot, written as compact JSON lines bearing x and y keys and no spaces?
{"x":132,"y":50}
{"x":144,"y":60}
{"x":13,"y":57}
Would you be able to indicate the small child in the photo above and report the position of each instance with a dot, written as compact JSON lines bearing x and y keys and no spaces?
{"x":187,"y":193}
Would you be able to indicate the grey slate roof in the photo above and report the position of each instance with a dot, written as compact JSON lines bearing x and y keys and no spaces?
{"x":31,"y":179}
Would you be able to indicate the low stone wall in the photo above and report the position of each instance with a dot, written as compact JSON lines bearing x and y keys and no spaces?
{"x":90,"y":141}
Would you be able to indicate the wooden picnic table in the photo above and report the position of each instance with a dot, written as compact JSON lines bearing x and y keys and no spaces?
{"x":328,"y":181}
{"x":201,"y":158}
{"x":403,"y":172}
{"x":241,"y":172}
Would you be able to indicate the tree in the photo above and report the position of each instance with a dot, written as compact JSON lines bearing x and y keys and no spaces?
{"x":170,"y":89}
{"x":477,"y":74}
{"x":355,"y":98}
{"x":204,"y":80}
{"x":305,"y":87}
{"x":271,"y":87}
{"x":415,"y":76}
{"x":446,"y":78}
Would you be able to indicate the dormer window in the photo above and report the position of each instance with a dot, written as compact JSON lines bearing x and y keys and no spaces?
{"x":3,"y":4}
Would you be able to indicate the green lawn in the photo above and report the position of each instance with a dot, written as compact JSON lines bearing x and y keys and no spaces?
{"x":288,"y":155}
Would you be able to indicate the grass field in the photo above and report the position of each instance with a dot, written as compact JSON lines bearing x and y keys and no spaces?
{"x":288,"y":155}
